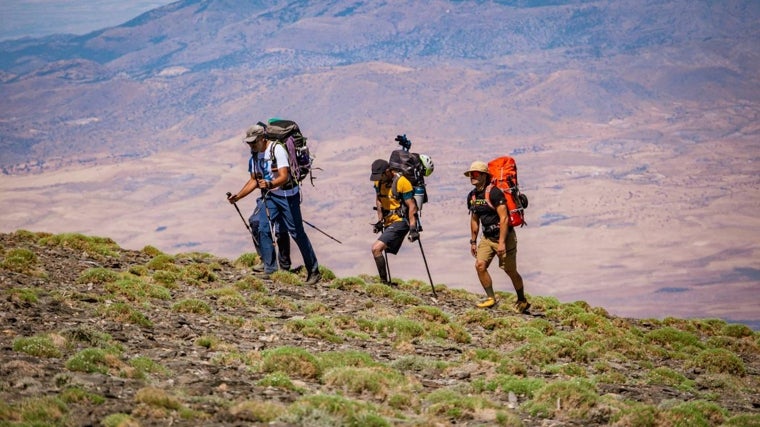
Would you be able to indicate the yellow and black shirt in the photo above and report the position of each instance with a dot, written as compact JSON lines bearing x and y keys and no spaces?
{"x":393,"y":206}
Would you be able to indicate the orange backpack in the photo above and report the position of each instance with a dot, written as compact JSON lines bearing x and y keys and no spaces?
{"x":503,"y":171}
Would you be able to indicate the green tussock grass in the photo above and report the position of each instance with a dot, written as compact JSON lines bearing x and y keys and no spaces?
{"x":193,"y":339}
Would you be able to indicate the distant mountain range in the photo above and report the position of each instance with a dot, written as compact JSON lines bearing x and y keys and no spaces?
{"x":195,"y":71}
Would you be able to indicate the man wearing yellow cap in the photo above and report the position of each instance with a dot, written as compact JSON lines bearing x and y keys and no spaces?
{"x":499,"y":239}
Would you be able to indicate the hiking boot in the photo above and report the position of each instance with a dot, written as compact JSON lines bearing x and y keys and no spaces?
{"x":488,"y":303}
{"x":259,"y":268}
{"x":262,"y":275}
{"x":313,"y":279}
{"x":522,"y":307}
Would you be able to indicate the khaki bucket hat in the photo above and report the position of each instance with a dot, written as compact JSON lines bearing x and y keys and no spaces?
{"x":477,"y":166}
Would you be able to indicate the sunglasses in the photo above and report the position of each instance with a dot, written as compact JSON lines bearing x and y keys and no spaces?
{"x":476,"y":174}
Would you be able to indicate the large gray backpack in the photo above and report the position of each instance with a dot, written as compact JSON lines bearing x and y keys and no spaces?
{"x":288,"y":133}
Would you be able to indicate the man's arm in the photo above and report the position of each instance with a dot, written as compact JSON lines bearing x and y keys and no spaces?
{"x":474,"y":227}
{"x":503,"y":228}
{"x":282,"y":178}
{"x":249,"y":186}
{"x":412,"y":212}
{"x":379,"y":207}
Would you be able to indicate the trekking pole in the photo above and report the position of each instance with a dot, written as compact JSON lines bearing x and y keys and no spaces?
{"x":427,"y":268}
{"x":317,"y":228}
{"x":269,"y":221}
{"x":253,"y":236}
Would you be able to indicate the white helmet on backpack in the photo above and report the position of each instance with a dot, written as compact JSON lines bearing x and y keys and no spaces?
{"x":427,"y":164}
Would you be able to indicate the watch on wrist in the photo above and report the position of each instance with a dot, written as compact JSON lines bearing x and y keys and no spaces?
{"x":472,"y":242}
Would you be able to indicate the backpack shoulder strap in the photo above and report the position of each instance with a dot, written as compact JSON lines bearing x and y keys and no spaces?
{"x":394,"y":186}
{"x":488,"y":195}
{"x":272,"y":157}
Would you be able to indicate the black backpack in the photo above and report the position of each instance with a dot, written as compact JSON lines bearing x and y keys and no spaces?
{"x":411,"y":168}
{"x":287,"y":133}
{"x":409,"y":165}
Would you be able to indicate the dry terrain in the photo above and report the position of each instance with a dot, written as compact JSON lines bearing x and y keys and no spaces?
{"x":94,"y":334}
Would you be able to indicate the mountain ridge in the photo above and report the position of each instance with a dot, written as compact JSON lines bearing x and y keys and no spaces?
{"x":96,"y":334}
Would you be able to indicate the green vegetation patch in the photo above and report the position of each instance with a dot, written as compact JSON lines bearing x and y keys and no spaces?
{"x":376,"y":381}
{"x":98,"y":275}
{"x":227,"y":296}
{"x":315,"y":327}
{"x":24,"y":295}
{"x":455,"y":406}
{"x":402,"y":328}
{"x":247,"y":260}
{"x":38,"y":345}
{"x":256,"y":411}
{"x":163,"y":262}
{"x":572,"y":399}
{"x":166,"y":278}
{"x":157,"y":397}
{"x":136,"y":289}
{"x":332,"y":410}
{"x":93,"y":338}
{"x":348,"y":283}
{"x":296,"y":361}
{"x":428,"y":314}
{"x":78,"y":395}
{"x":20,"y":260}
{"x":119,"y":420}
{"x":337,"y":359}
{"x":35,"y":411}
{"x":719,"y":360}
{"x":91,"y":360}
{"x":414,"y":363}
{"x":520,"y":386}
{"x":96,"y":247}
{"x":327,"y":274}
{"x":668,"y":377}
{"x":672,"y":338}
{"x":736,"y":330}
{"x":192,"y":305}
{"x":279,"y":380}
{"x":693,"y":413}
{"x":144,"y":365}
{"x":151,"y":250}
{"x":250,"y":283}
{"x":125,"y":313}
{"x":199,"y":274}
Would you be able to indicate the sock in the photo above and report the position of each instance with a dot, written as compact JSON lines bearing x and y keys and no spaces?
{"x":381,"y":269}
{"x":489,"y":292}
{"x":520,"y":294}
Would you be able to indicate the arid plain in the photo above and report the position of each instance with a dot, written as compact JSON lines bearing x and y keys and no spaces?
{"x":656,"y":228}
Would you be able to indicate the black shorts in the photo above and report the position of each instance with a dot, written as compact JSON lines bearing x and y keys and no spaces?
{"x":393,"y":236}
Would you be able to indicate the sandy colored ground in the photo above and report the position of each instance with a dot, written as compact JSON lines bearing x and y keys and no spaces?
{"x":634,"y":217}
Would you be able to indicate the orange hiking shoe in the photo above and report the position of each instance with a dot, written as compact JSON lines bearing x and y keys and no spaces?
{"x":488,"y":303}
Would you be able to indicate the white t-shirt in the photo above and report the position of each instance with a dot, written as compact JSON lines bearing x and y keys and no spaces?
{"x":264,"y":165}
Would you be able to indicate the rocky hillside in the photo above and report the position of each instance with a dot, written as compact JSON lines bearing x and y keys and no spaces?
{"x":97,"y":335}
